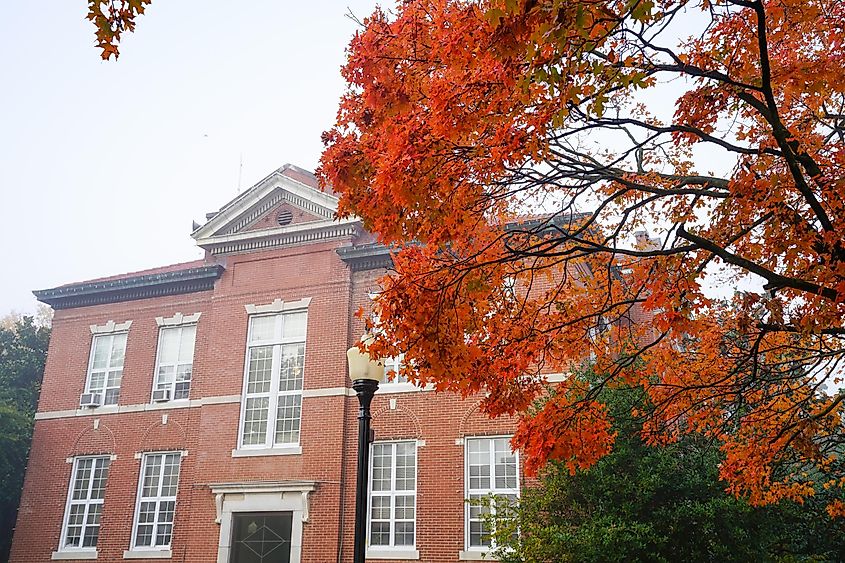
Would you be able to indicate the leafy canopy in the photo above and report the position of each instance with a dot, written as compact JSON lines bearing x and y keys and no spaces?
{"x":515,"y":151}
{"x":657,"y":503}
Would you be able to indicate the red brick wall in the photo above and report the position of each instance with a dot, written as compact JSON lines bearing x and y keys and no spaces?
{"x":210,"y":432}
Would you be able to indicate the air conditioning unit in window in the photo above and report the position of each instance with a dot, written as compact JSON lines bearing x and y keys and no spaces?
{"x":91,"y":400}
{"x":161,"y":395}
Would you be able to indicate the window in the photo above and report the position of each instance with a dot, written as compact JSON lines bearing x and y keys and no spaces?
{"x":491,"y":474}
{"x":84,"y":506}
{"x":275,"y":362}
{"x":105,"y":368}
{"x":393,"y":366}
{"x":393,"y":495}
{"x":175,"y":360}
{"x":156,"y":503}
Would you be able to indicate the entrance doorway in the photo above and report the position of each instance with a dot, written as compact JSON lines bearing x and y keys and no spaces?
{"x":261,"y":537}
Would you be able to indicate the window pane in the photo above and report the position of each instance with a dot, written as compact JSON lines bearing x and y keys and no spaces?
{"x":255,"y":420}
{"x":117,"y":351}
{"x":186,"y":346}
{"x":380,"y":509}
{"x":152,"y":473}
{"x":263,"y":329}
{"x":83,"y":475}
{"x":295,"y":324}
{"x":293,"y":360}
{"x":101,"y":473}
{"x":260,"y":369}
{"x":404,"y":533}
{"x":97,"y":382}
{"x":288,"y":414}
{"x":404,"y":509}
{"x":380,"y":533}
{"x":101,"y":352}
{"x":111,"y":397}
{"x":165,"y":376}
{"x":170,"y":478}
{"x":113,"y":378}
{"x":168,"y":345}
{"x":182,"y":390}
{"x":92,"y":527}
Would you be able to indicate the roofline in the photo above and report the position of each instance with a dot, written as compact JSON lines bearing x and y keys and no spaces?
{"x":177,"y":282}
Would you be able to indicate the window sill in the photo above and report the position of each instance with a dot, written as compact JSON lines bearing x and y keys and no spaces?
{"x":169,"y":404}
{"x":475,"y":555}
{"x":148,"y":554}
{"x":73,"y":555}
{"x":375,"y":553}
{"x":291,"y":450}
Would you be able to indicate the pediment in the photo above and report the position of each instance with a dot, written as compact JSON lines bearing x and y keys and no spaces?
{"x":284,"y":213}
{"x":287,"y":201}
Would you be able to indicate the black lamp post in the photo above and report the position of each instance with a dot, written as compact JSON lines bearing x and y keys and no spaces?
{"x":365,"y":374}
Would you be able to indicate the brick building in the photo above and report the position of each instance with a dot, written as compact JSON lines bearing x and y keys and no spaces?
{"x":203,"y":412}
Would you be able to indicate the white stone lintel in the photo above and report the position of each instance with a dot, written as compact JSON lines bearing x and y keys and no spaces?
{"x":178,"y":319}
{"x":278,"y":306}
{"x":110,"y":327}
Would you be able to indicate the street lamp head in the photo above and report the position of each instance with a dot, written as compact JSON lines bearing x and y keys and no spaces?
{"x":361,"y":366}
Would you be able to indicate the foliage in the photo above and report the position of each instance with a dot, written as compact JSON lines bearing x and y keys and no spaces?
{"x":23,"y":352}
{"x":475,"y":136}
{"x":658,"y":503}
{"x":111,"y":18}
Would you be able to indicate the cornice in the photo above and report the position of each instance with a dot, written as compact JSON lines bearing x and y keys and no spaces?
{"x":131,"y":288}
{"x":366,"y":256}
{"x":291,"y":235}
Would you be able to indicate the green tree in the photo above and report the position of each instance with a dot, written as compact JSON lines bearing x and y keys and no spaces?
{"x":23,"y":351}
{"x":658,"y":503}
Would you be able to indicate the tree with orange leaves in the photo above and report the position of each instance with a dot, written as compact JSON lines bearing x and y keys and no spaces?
{"x":513,"y":152}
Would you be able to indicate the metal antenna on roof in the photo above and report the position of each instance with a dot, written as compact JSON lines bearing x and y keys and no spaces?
{"x":240,"y":172}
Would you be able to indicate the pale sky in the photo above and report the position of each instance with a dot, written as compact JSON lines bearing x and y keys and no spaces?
{"x":103,"y":165}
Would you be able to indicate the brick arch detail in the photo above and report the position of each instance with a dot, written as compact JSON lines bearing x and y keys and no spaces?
{"x":491,"y":426}
{"x":469,"y":412}
{"x":98,"y":440}
{"x":158,"y":436}
{"x":386,"y":413}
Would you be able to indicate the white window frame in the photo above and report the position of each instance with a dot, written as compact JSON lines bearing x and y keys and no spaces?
{"x":88,"y":502}
{"x":397,"y":551}
{"x":484,"y":492}
{"x":156,"y":384}
{"x":139,"y":498}
{"x":394,"y":364}
{"x":274,"y":393}
{"x":110,"y":336}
